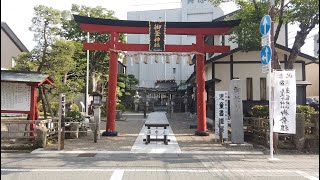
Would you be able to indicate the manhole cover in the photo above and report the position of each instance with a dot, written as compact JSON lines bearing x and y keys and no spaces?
{"x":87,"y":155}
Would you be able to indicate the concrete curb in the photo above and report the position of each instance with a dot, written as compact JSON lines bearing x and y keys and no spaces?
{"x":42,"y":151}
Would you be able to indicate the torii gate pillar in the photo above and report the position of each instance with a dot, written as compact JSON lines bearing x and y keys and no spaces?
{"x":200,"y":78}
{"x":112,"y":87}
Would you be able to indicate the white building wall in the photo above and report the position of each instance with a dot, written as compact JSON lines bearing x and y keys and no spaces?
{"x":282,"y":37}
{"x":316,"y":45}
{"x":190,"y":11}
{"x":244,"y":71}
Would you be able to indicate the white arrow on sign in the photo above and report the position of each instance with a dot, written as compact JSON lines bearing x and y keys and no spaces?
{"x":265,"y":58}
{"x":265,"y":22}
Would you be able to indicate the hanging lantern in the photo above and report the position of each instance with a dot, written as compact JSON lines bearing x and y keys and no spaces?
{"x":136,"y":59}
{"x":131,"y":60}
{"x":178,"y":59}
{"x":125,"y":59}
{"x":189,"y":59}
{"x":167,"y":58}
{"x":145,"y":59}
{"x":156,"y":58}
{"x":162,"y":59}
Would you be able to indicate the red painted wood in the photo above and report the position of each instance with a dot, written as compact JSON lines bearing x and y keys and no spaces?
{"x":96,"y":46}
{"x":200,"y":79}
{"x":145,"y":47}
{"x":112,"y":84}
{"x":145,"y":30}
{"x":46,"y":81}
{"x":12,"y":111}
{"x":33,"y":108}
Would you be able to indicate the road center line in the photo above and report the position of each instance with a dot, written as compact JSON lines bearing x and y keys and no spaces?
{"x":117,"y":174}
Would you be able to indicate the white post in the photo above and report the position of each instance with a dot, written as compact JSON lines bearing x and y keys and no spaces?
{"x":271,"y":36}
{"x":87,"y":77}
{"x":61,"y":121}
{"x":270,"y":111}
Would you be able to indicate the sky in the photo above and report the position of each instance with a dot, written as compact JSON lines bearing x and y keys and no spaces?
{"x":18,"y":14}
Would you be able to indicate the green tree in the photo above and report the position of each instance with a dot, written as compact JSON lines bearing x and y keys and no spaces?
{"x":99,"y":60}
{"x":131,"y":81}
{"x":45,"y":25}
{"x":53,"y":56}
{"x":305,"y":13}
{"x":25,"y":62}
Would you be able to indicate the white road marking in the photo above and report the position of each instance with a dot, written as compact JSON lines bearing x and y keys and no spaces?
{"x":306,"y":175}
{"x":117,"y":174}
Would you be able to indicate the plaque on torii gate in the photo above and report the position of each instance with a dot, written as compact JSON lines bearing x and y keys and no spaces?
{"x":114,"y":27}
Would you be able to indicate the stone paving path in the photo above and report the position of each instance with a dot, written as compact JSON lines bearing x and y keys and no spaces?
{"x":130,"y":129}
{"x":154,"y":146}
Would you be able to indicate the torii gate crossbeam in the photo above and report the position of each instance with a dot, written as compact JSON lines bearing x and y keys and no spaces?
{"x":114,"y":27}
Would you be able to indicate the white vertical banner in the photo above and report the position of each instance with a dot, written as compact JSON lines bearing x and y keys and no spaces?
{"x":221,"y":113}
{"x":285,"y":102}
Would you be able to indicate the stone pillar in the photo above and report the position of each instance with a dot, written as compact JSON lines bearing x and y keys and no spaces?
{"x":236,"y":113}
{"x":97,"y":119}
{"x":299,"y":137}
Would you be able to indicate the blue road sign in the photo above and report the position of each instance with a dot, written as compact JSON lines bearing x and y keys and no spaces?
{"x":265,"y":25}
{"x":265,"y":54}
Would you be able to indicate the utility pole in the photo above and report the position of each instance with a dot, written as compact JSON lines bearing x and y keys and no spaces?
{"x":273,"y":66}
{"x":87,"y":76}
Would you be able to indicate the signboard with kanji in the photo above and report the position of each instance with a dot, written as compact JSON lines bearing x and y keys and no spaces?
{"x":15,"y":96}
{"x":285,"y":102}
{"x":221,"y":111}
{"x":157,"y":31}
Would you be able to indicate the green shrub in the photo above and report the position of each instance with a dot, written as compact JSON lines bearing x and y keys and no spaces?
{"x":261,"y":111}
{"x":40,"y":108}
{"x":74,"y":107}
{"x":75,"y":116}
{"x":54,"y":107}
{"x":121,"y":107}
{"x":307,"y":110}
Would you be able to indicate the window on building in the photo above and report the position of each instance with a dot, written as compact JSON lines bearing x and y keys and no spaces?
{"x":174,"y":70}
{"x":249,"y":89}
{"x":13,"y":62}
{"x":263,"y":89}
{"x":223,"y":40}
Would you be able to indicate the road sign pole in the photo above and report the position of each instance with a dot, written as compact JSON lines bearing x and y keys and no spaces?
{"x":273,"y":65}
{"x":270,"y":111}
{"x":267,"y":55}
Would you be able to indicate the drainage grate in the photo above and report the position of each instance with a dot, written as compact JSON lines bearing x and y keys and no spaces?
{"x":87,"y":155}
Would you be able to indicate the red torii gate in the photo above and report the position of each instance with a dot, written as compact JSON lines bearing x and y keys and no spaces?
{"x":114,"y":27}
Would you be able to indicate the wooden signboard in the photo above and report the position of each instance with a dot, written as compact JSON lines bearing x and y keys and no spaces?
{"x":15,"y":97}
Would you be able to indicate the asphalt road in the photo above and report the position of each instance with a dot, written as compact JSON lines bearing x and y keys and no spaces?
{"x":137,"y":166}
